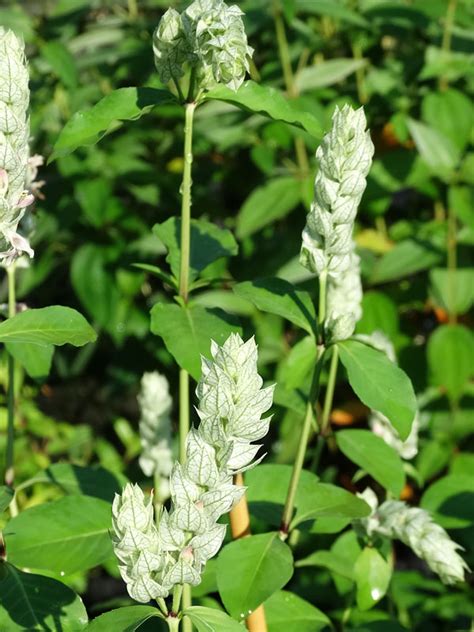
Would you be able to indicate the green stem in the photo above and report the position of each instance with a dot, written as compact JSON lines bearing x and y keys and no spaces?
{"x":447,"y":36}
{"x":9,"y":460}
{"x":285,"y":59}
{"x":329,"y":396}
{"x":177,"y":593}
{"x":183,"y":412}
{"x":186,"y":202}
{"x":323,"y":278}
{"x":173,"y":624}
{"x":162,"y":605}
{"x":452,"y":263}
{"x":303,"y":444}
{"x":360,"y":74}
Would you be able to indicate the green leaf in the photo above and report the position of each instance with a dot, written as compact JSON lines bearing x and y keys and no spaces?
{"x":330,"y":560}
{"x":327,"y":73}
{"x":451,"y":501}
{"x":6,"y":496}
{"x":62,"y":62}
{"x":280,"y":297}
{"x":187,"y":332}
{"x":66,"y":535}
{"x":406,"y":258}
{"x":453,"y":290}
{"x":33,"y":602}
{"x":54,"y":325}
{"x":263,"y":564}
{"x":34,"y":359}
{"x":451,"y":113}
{"x":332,"y":9}
{"x":298,"y":364}
{"x":87,"y":127}
{"x":268,"y":203}
{"x":126,"y":619}
{"x":269,"y":102}
{"x":380,"y":384}
{"x":287,"y":612}
{"x":93,"y":481}
{"x":372,"y":576}
{"x":438,"y":152}
{"x":267,"y":488}
{"x":450,"y":354}
{"x":212,"y":620}
{"x":208,"y":243}
{"x":380,"y":313}
{"x":373,"y":455}
{"x":95,"y":285}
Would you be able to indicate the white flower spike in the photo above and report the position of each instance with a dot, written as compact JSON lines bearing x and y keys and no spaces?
{"x":14,"y":151}
{"x":231,"y":404}
{"x":344,"y":156}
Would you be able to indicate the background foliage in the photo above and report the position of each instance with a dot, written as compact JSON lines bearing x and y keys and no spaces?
{"x":411,"y":65}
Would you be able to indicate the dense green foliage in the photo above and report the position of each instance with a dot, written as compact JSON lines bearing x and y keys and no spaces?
{"x":106,"y":237}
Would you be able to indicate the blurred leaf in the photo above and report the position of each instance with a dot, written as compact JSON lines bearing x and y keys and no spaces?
{"x":406,"y":258}
{"x":211,"y":620}
{"x":55,"y":325}
{"x":438,"y":151}
{"x":66,"y":535}
{"x":380,"y":384}
{"x":208,"y":244}
{"x":451,"y":113}
{"x":450,"y":354}
{"x":372,"y":576}
{"x":331,"y":9}
{"x":87,"y":127}
{"x":453,"y":290}
{"x":6,"y":496}
{"x":286,"y":611}
{"x":373,"y":455}
{"x":62,"y":62}
{"x":380,"y":313}
{"x":327,"y":73}
{"x":127,"y":619}
{"x":267,"y":204}
{"x":280,"y":297}
{"x":263,"y":564}
{"x":187,"y":332}
{"x":93,"y":481}
{"x":33,"y":602}
{"x":330,"y":560}
{"x":96,"y":200}
{"x":34,"y":359}
{"x":451,"y":501}
{"x":297,"y":365}
{"x":269,"y":102}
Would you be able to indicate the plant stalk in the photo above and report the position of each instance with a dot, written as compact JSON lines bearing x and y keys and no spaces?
{"x":240,"y":528}
{"x":303,"y":444}
{"x":447,"y":36}
{"x":183,"y":293}
{"x":452,"y":263}
{"x":323,"y":279}
{"x":329,"y":396}
{"x":173,"y":624}
{"x":9,"y":460}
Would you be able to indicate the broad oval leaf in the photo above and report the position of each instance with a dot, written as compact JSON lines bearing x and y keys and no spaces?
{"x":87,"y":127}
{"x":406,"y":258}
{"x":438,"y":151}
{"x":54,"y":325}
{"x":126,"y":619}
{"x":212,"y":620}
{"x":93,"y":481}
{"x":208,"y":243}
{"x":280,"y":297}
{"x":451,"y":501}
{"x":66,"y":535}
{"x":380,"y":384}
{"x":450,"y":358}
{"x":6,"y":496}
{"x":33,"y":602}
{"x":263,"y":564}
{"x":372,"y":574}
{"x":187,"y":332}
{"x":267,"y":203}
{"x":34,"y":359}
{"x":287,"y":612}
{"x":327,"y":73}
{"x":373,"y":455}
{"x":269,"y":102}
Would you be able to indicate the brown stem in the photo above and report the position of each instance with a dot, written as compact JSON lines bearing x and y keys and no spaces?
{"x":240,"y":528}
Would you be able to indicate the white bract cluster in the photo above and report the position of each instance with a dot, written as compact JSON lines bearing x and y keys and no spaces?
{"x":379,"y":423}
{"x":415,"y":527}
{"x":14,"y":151}
{"x":156,"y":458}
{"x":231,"y":404}
{"x":344,"y":156}
{"x":210,"y":38}
{"x":344,"y":301}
